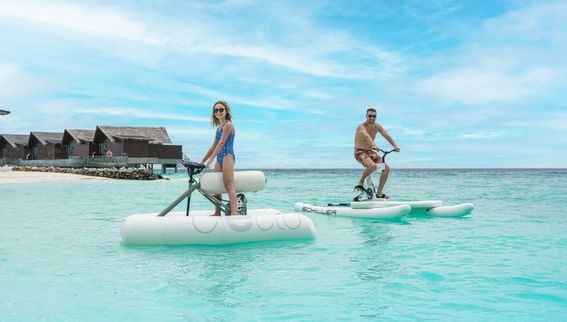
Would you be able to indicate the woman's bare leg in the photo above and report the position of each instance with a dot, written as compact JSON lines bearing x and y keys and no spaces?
{"x":228,"y":178}
{"x":218,"y":168}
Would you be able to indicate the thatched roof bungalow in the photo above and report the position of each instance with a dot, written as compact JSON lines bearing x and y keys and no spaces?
{"x":79,"y":143}
{"x":46,"y":146}
{"x":14,"y":146}
{"x":139,"y":144}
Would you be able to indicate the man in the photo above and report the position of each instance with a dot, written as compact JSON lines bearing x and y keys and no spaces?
{"x":366,"y":151}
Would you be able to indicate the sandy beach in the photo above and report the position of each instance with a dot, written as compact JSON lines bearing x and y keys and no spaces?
{"x":7,"y":176}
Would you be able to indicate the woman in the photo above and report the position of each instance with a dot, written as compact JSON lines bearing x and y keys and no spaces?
{"x":222,"y":150}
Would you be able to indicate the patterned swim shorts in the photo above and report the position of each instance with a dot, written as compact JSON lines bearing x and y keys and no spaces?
{"x":360,"y":155}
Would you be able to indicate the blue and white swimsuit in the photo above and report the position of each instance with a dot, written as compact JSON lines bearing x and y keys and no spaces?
{"x":228,"y":145}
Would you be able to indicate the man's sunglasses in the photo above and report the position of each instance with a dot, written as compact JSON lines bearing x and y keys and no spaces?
{"x":371,"y":116}
{"x":219,"y":110}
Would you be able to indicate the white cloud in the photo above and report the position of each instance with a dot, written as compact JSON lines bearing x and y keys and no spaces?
{"x":558,"y":122}
{"x":274,"y":56}
{"x":516,"y":56}
{"x":190,"y":131}
{"x":208,"y":35}
{"x":479,"y":85}
{"x":479,"y":135}
{"x":10,"y":79}
{"x":244,"y":135}
{"x":431,"y":9}
{"x":540,"y":21}
{"x":78,"y":18}
{"x":407,"y":131}
{"x":274,"y":103}
{"x":16,"y":83}
{"x":138,"y":113}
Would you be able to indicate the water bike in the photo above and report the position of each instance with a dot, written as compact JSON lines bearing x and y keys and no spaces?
{"x":200,"y":228}
{"x":367,"y":205}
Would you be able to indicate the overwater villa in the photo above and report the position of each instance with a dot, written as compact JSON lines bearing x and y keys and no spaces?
{"x":79,"y":143}
{"x":46,"y":146}
{"x":142,"y":145}
{"x":14,"y":146}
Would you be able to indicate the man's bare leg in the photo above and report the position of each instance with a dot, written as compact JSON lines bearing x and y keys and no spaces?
{"x":383,"y":179}
{"x":370,"y":167}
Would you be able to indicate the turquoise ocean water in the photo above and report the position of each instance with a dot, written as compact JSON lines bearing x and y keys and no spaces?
{"x":61,"y":258}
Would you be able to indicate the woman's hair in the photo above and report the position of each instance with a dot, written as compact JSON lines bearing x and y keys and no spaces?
{"x":214,"y":119}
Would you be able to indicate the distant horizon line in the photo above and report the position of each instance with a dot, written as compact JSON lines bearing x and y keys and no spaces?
{"x":453,"y":168}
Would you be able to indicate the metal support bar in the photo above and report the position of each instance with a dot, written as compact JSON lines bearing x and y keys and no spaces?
{"x":216,"y":202}
{"x":179,"y":199}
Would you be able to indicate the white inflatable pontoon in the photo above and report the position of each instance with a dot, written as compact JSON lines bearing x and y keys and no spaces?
{"x":200,"y":228}
{"x":344,"y":210}
{"x":379,"y":203}
{"x":424,"y":207}
{"x":451,"y":211}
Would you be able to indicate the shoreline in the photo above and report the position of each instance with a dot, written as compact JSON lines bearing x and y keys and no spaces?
{"x":7,"y":176}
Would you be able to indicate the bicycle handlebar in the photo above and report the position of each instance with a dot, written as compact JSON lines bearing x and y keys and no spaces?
{"x":385,"y":154}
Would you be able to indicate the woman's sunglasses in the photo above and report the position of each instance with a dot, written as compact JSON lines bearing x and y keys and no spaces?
{"x":219,"y":110}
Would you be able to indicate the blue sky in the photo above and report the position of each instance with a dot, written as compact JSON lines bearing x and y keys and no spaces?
{"x":456,"y":83}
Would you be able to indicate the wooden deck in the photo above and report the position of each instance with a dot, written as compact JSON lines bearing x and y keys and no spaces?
{"x":97,"y":162}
